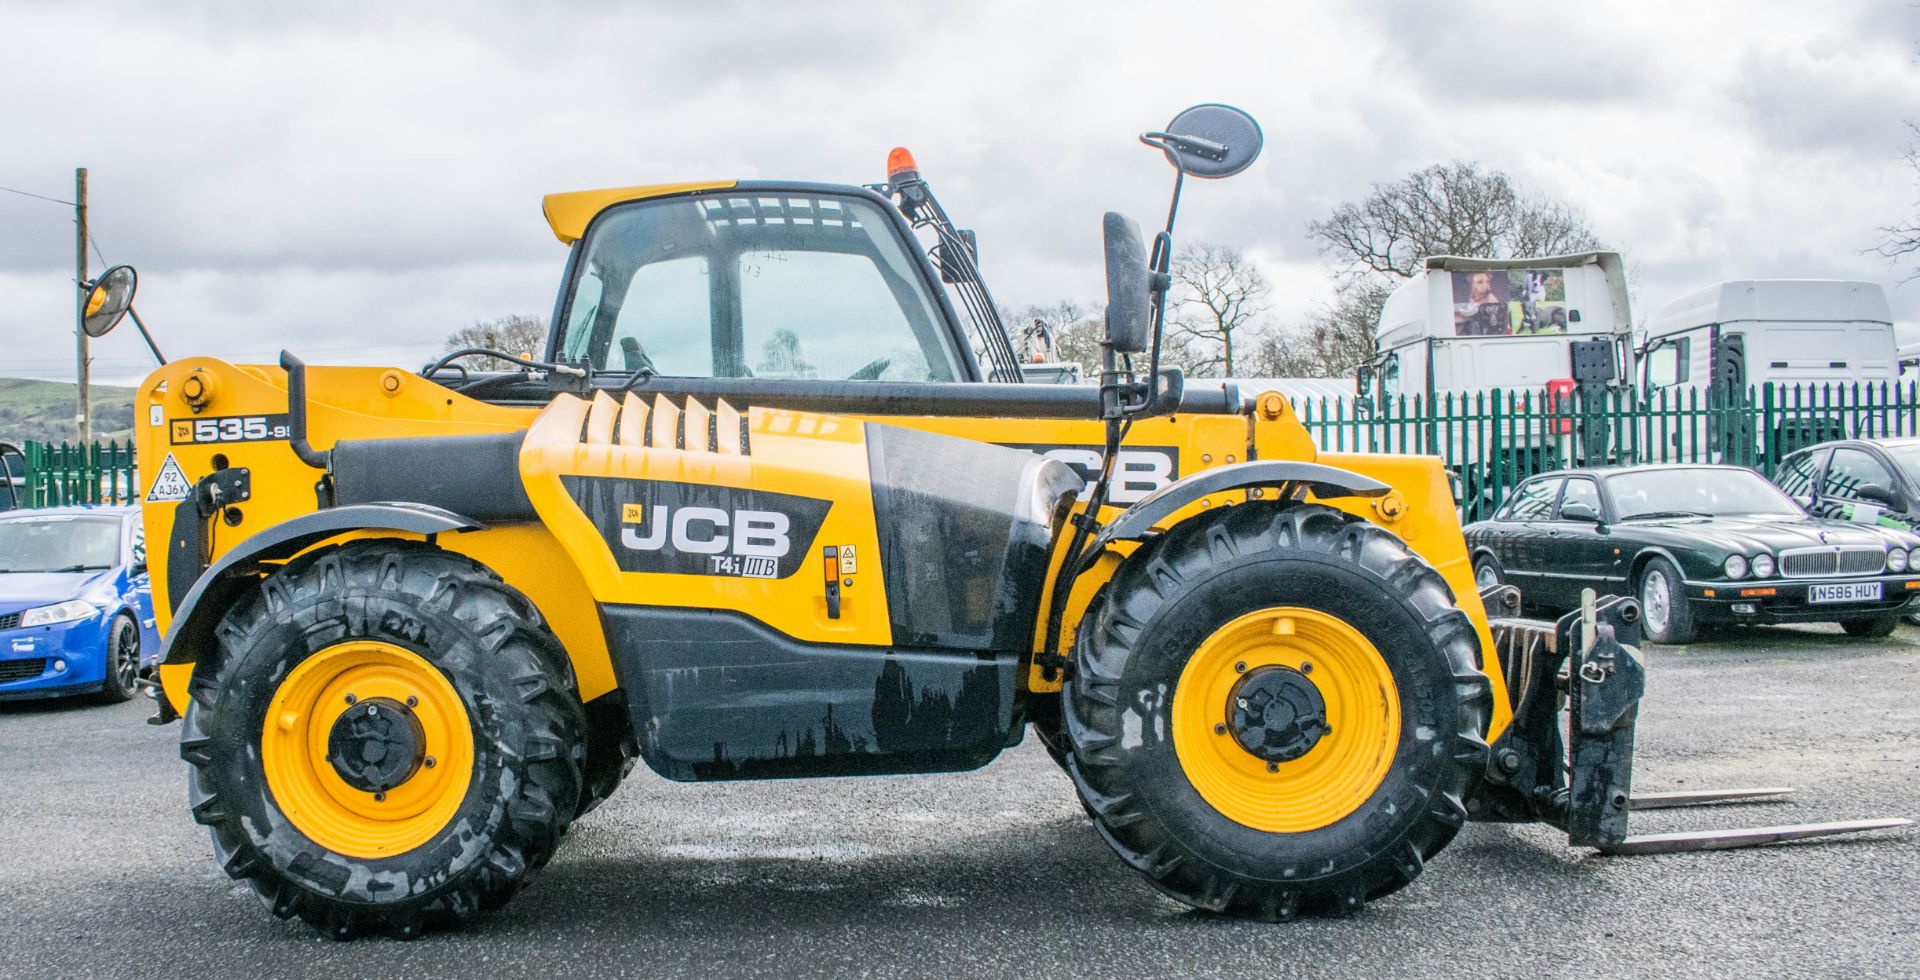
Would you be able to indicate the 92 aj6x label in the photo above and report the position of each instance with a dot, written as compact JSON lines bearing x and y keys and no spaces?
{"x":697,"y":529}
{"x":228,"y":429}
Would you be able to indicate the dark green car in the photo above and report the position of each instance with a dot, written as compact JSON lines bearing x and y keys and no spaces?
{"x":1696,"y":544}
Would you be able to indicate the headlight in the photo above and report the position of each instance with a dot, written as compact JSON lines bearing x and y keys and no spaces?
{"x":59,"y":612}
{"x":1762,"y":565}
{"x":1913,"y":559}
{"x":1736,"y":566}
{"x":1896,"y":560}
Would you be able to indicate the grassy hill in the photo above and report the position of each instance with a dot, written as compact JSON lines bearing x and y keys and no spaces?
{"x":44,"y":410}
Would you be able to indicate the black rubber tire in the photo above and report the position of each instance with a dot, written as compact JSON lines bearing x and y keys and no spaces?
{"x":611,"y":752}
{"x":509,"y":671}
{"x":1488,"y":565}
{"x":1681,"y":626}
{"x":1177,"y":589}
{"x":1875,"y":628}
{"x":123,"y":662}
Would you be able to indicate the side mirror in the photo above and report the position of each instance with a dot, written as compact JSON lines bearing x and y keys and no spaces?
{"x":1363,"y":380}
{"x":1129,"y":316}
{"x":1211,"y":141}
{"x":1875,"y":493}
{"x":1579,"y":510}
{"x":108,"y":300}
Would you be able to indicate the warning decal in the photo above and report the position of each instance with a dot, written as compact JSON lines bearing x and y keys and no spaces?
{"x":170,"y":484}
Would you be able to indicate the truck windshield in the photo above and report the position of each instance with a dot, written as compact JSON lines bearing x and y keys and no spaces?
{"x":789,"y":286}
{"x":1697,"y":491}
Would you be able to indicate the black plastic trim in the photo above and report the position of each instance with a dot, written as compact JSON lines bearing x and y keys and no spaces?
{"x":1290,"y":478}
{"x":217,"y":588}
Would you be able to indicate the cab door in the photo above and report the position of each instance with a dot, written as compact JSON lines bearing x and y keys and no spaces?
{"x":1523,"y":545}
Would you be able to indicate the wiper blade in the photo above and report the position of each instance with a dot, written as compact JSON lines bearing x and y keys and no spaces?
{"x":1653,"y":515}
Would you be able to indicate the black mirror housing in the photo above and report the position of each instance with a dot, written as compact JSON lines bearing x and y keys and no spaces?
{"x":1129,"y":312}
{"x":1576,"y":510}
{"x":108,"y":299}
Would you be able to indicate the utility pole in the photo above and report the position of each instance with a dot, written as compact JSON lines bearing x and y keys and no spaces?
{"x":85,"y":418}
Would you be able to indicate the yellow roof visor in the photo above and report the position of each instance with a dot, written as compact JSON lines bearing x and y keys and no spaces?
{"x":570,"y":212}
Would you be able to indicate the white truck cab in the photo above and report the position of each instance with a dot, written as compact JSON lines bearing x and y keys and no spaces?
{"x":1745,"y":333}
{"x":1464,"y":325}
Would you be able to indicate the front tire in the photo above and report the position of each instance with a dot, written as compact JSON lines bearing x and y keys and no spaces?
{"x":1875,"y":628}
{"x":387,"y":738}
{"x":122,"y":662}
{"x":1663,"y":599}
{"x":1348,"y":726}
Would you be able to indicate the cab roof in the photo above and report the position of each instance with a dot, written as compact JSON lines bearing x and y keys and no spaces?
{"x":568,"y":213}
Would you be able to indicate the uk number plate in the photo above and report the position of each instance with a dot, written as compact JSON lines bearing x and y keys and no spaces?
{"x":1847,"y":592}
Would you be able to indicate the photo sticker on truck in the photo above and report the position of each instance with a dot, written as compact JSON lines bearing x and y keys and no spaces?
{"x":696,"y":529}
{"x":231,"y":428}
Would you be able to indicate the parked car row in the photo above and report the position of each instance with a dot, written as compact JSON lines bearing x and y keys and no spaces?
{"x":1700,"y":544}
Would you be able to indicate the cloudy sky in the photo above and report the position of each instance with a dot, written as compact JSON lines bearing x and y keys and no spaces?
{"x":355,"y":180}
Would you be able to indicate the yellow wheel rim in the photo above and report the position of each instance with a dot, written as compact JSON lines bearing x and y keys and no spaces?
{"x":311,"y":791}
{"x":1339,"y":771}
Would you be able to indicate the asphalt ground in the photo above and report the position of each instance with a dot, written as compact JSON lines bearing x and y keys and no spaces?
{"x":996,"y":873}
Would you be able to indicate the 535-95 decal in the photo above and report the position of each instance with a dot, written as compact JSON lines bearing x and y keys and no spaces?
{"x":230,"y":428}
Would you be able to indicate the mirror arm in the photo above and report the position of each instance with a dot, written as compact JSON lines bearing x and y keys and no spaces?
{"x":144,"y":335}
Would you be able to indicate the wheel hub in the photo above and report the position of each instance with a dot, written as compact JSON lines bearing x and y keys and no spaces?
{"x":1277,"y":714}
{"x":376,"y":744}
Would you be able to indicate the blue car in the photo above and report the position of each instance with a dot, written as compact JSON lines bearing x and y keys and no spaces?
{"x":76,"y":605}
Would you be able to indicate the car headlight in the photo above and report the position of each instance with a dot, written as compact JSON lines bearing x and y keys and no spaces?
{"x":59,"y":612}
{"x":1913,"y":559}
{"x":1896,"y":560}
{"x":1762,"y":565}
{"x":1736,"y":566}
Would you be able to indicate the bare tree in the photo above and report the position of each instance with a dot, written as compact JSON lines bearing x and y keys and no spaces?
{"x":1447,"y":209}
{"x":1903,"y":239}
{"x":524,"y":334}
{"x":1219,"y":301}
{"x":1067,"y":331}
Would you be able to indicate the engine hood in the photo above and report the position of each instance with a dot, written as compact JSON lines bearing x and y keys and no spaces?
{"x":25,"y":590}
{"x":1747,"y":536}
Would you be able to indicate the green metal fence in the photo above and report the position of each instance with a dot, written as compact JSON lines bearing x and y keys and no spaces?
{"x":63,"y":473}
{"x":1492,"y":440}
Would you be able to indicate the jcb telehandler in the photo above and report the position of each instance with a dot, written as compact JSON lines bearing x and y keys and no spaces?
{"x":762,"y":508}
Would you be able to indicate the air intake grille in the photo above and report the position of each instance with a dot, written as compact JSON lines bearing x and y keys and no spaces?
{"x":1826,"y":562}
{"x":9,"y":620}
{"x":20,"y":670}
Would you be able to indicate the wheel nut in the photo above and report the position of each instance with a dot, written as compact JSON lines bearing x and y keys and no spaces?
{"x":1220,"y":728}
{"x":351,"y":699}
{"x":380,"y":797}
{"x":429,"y":762}
{"x":413,"y":702}
{"x":1240,"y":667}
{"x":1273,"y":767}
{"x":373,"y":709}
{"x":1307,"y":668}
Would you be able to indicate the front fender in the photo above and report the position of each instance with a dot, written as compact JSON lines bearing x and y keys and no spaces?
{"x":1288,"y":479}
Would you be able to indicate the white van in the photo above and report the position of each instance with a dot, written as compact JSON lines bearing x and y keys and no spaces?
{"x":1749,"y":332}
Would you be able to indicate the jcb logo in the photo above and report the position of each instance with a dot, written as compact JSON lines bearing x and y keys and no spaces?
{"x":695,"y":529}
{"x":706,"y":530}
{"x":1137,"y":470}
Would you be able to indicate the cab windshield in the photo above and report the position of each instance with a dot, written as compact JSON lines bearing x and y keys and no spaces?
{"x":776,"y":286}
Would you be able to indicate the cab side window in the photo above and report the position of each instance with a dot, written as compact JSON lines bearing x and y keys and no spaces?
{"x":1532,"y":502}
{"x":1852,"y":469}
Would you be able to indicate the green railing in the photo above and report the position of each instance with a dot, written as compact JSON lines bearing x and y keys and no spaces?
{"x":1492,"y":440}
{"x":62,"y":474}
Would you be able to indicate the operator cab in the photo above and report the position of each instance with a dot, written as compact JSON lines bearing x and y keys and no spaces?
{"x":762,"y":281}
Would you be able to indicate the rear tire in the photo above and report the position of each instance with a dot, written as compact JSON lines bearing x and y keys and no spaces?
{"x":1139,"y":712}
{"x":1876,"y":628}
{"x":495,"y":700}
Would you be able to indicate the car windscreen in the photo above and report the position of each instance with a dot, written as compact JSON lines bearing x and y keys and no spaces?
{"x":59,"y":543}
{"x":1694,"y":491}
